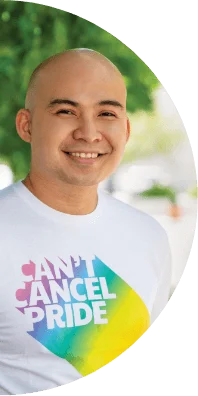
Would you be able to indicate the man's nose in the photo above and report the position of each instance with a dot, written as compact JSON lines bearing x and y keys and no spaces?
{"x":87,"y":130}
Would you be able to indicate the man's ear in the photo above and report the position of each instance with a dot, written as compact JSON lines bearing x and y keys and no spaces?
{"x":23,"y":121}
{"x":128,"y":131}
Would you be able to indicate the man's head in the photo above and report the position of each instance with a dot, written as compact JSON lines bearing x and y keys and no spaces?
{"x":75,"y":106}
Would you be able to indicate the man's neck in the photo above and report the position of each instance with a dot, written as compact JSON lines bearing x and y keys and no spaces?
{"x":66,"y":198}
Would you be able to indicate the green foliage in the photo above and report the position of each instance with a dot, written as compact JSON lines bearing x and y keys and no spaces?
{"x":33,"y":32}
{"x":194,"y":192}
{"x":159,"y":191}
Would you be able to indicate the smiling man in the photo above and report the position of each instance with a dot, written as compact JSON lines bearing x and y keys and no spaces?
{"x":75,"y":119}
{"x":82,"y":274}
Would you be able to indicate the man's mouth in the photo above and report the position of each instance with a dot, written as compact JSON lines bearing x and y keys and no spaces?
{"x":84,"y":158}
{"x":84,"y":155}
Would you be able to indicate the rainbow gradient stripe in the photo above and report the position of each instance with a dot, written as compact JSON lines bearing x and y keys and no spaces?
{"x":92,"y":346}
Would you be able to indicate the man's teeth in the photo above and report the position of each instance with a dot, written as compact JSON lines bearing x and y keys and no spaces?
{"x":85,"y":155}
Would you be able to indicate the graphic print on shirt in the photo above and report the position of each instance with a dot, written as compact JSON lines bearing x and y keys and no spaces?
{"x":81,"y":310}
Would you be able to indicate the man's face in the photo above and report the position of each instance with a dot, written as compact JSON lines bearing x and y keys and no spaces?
{"x":78,"y":126}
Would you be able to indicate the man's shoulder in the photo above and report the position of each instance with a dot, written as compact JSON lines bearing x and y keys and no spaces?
{"x":134,"y":225}
{"x":7,"y":200}
{"x":133,"y":217}
{"x":7,"y":192}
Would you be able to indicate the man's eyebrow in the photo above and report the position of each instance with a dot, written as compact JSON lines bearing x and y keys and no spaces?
{"x":111,"y":103}
{"x":70,"y":102}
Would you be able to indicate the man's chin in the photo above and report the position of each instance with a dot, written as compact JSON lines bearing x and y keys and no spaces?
{"x":79,"y":181}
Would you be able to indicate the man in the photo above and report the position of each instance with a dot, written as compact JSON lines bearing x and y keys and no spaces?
{"x":82,"y":274}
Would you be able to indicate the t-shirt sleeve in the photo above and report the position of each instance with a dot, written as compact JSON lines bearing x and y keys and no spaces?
{"x":164,"y":285}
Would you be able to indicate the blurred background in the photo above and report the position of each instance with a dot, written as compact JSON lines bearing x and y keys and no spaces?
{"x":157,"y":173}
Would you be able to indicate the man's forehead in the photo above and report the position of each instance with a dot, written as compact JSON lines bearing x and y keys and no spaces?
{"x":84,"y":96}
{"x":85,"y":90}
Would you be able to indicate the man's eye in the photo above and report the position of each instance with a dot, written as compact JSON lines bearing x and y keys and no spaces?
{"x":107,"y":114}
{"x":64,"y":111}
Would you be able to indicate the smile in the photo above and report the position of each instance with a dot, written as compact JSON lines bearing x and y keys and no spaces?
{"x":85,"y":155}
{"x":84,"y":158}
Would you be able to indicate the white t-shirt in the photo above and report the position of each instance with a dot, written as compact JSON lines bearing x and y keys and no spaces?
{"x":75,"y":290}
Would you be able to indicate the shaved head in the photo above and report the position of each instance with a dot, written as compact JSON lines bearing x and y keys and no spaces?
{"x":66,"y":61}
